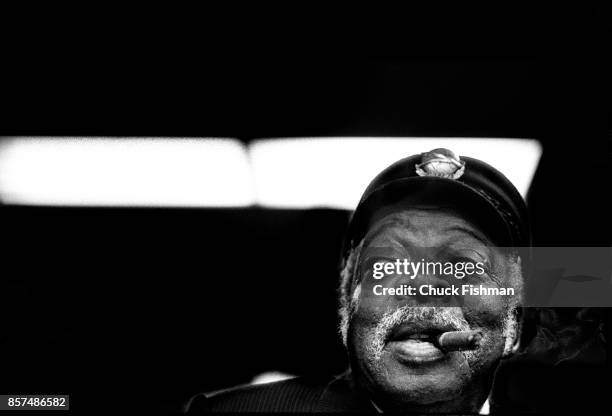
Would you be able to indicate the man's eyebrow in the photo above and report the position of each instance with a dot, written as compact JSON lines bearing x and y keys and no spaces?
{"x":381,"y":227}
{"x":478,"y":236}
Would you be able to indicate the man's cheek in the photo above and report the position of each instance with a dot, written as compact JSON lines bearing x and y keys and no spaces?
{"x":490,"y":318}
{"x":375,"y":293}
{"x":370,"y":306}
{"x":485,"y":311}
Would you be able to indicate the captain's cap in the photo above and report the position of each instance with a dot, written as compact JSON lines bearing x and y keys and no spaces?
{"x":439,"y":179}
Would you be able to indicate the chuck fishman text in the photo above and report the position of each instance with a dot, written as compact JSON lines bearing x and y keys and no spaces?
{"x":452,"y":290}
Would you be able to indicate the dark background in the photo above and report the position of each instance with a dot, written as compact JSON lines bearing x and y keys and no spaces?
{"x":145,"y":307}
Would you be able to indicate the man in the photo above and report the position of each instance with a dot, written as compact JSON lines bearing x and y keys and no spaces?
{"x":430,"y":348}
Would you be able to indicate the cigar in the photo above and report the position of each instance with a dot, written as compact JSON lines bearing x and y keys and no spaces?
{"x":459,"y":340}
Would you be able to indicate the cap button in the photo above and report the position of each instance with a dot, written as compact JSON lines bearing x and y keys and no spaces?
{"x":441,"y":163}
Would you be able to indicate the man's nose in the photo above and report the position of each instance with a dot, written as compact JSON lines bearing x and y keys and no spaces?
{"x":432,"y":290}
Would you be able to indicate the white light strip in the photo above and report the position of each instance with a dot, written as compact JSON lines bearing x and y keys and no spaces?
{"x":287,"y":173}
{"x":125,"y":172}
{"x":334,"y":172}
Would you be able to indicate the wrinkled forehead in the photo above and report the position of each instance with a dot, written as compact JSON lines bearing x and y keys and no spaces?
{"x":423,"y":227}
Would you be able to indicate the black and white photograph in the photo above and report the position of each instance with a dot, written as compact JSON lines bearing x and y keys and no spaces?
{"x":279,"y":220}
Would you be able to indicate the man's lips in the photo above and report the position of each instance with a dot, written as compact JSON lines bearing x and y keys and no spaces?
{"x":414,"y":352}
{"x":420,"y":331}
{"x":415,"y":344}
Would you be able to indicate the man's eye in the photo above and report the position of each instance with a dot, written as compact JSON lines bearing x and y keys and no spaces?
{"x":369,"y":264}
{"x":465,"y":260}
{"x":469,"y":256}
{"x":480,"y":267}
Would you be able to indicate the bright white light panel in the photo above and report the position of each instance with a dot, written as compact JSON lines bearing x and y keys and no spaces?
{"x":175,"y":172}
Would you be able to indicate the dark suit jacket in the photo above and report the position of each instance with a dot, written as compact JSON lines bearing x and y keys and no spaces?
{"x":296,"y":395}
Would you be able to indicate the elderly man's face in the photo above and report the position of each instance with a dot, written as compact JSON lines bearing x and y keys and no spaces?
{"x":401,"y":371}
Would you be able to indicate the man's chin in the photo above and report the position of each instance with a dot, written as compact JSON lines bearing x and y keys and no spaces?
{"x":416,"y":354}
{"x":420,"y":376}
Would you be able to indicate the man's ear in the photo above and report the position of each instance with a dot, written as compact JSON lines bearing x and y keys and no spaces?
{"x":513,"y":332}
